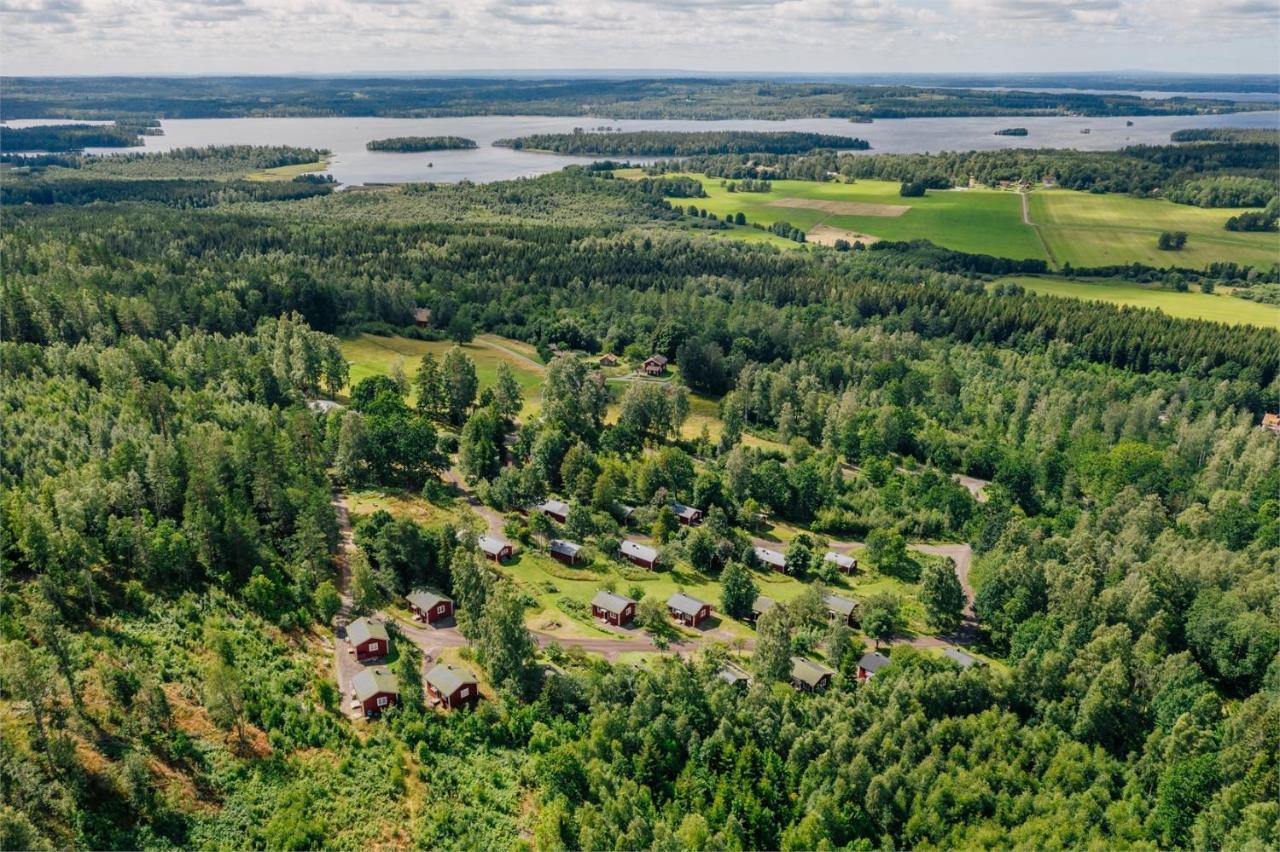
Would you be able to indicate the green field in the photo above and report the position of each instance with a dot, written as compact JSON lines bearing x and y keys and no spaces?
{"x":1084,"y":229}
{"x":282,"y":173}
{"x":1192,"y":305}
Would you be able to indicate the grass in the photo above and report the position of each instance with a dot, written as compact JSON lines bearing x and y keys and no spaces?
{"x":1101,"y":230}
{"x":373,"y":355}
{"x":1191,"y":305}
{"x":283,"y":173}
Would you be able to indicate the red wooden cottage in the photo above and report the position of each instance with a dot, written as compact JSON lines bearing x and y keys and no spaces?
{"x":841,"y":609}
{"x":613,"y":608}
{"x":429,"y":606}
{"x":495,"y":548}
{"x":810,"y":676}
{"x":687,"y":515}
{"x":640,"y":554}
{"x":871,"y":662}
{"x":655,"y":365}
{"x":771,"y":559}
{"x":368,"y":639}
{"x":688,"y":610}
{"x":556,"y":510}
{"x":375,"y":689}
{"x":845,"y":564}
{"x":565,"y":551}
{"x":452,"y":686}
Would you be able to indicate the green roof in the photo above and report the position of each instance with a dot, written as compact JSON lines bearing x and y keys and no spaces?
{"x":370,"y":682}
{"x":446,"y":678}
{"x":363,"y":629}
{"x":808,"y":672}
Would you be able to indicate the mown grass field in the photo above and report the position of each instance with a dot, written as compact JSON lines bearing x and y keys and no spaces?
{"x":1084,"y":229}
{"x":281,"y":173}
{"x":1192,"y":305}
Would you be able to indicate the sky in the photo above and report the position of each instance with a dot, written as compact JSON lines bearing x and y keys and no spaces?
{"x":156,"y":37}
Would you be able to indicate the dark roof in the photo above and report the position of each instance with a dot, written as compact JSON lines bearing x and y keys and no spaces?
{"x":687,"y":604}
{"x":771,"y":557}
{"x":809,"y":672}
{"x":638,"y":550}
{"x":565,"y":548}
{"x":490,"y":545}
{"x":873,"y":661}
{"x":446,"y":678}
{"x":660,"y":360}
{"x":610,"y":601}
{"x":762,"y":604}
{"x":844,"y":606}
{"x":425,"y":600}
{"x":363,"y":629}
{"x":733,"y":675}
{"x":369,"y":682}
{"x":965,"y":661}
{"x":684,"y":511}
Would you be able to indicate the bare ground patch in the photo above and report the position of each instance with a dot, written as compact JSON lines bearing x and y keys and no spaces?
{"x":825,"y":235}
{"x":843,"y":208}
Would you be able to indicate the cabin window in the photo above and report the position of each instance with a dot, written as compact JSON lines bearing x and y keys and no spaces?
{"x":382,"y":701}
{"x":375,"y":646}
{"x":466,"y":690}
{"x":440,"y":610}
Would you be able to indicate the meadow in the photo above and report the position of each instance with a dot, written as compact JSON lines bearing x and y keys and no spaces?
{"x":1217,"y":307}
{"x":1085,"y":229}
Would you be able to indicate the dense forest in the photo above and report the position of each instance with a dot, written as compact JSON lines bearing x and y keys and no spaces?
{"x":70,"y":137}
{"x":410,"y":144}
{"x":1208,"y":172}
{"x":228,"y":97}
{"x":168,"y":535}
{"x":659,"y":143}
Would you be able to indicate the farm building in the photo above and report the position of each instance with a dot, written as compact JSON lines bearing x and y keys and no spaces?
{"x":771,"y":559}
{"x":613,"y":608}
{"x":734,"y":676}
{"x":641,"y":554}
{"x":846,"y":564}
{"x":809,"y":675}
{"x":452,"y":686}
{"x":376,"y":689}
{"x":687,"y":609}
{"x":762,"y":604}
{"x":871,"y":662}
{"x":687,"y":515}
{"x":422,"y":317}
{"x":963,"y":660}
{"x":368,"y":639}
{"x":429,"y":606}
{"x":654,"y":365}
{"x":564,"y":551}
{"x":841,"y":609}
{"x":556,"y":510}
{"x":494,"y":548}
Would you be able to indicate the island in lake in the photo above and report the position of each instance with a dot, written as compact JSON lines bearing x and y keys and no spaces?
{"x":415,"y":144}
{"x":1012,"y":131}
{"x":663,"y":143}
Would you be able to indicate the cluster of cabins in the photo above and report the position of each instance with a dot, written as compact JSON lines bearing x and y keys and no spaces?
{"x":812,"y":676}
{"x":570,"y":552}
{"x":620,"y":610}
{"x":776,"y":560}
{"x":838,"y":608}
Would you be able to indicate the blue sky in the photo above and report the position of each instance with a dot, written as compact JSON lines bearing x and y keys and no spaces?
{"x":827,"y":36}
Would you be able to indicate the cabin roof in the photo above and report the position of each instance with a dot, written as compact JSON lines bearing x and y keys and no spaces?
{"x":844,"y":606}
{"x":555,"y":507}
{"x":684,"y":511}
{"x":873,"y":661}
{"x":447,"y":679}
{"x":684,"y":603}
{"x":491,"y":545}
{"x":363,"y":629}
{"x":809,"y":672}
{"x":369,"y":682}
{"x":841,"y":559}
{"x":762,"y":604}
{"x":638,"y":550}
{"x":965,"y":661}
{"x":770,"y":557}
{"x":425,"y":599}
{"x":611,"y":601}
{"x":564,"y":548}
{"x":733,"y":675}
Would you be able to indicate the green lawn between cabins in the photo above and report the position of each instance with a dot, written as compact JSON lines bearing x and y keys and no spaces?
{"x":1191,"y":305}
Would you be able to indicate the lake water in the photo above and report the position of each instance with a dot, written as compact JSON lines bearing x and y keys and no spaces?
{"x":351,"y":164}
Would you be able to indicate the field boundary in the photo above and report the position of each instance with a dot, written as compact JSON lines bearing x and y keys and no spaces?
{"x":1026,"y":220}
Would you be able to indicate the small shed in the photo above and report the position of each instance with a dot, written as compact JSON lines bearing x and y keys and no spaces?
{"x":564,"y":551}
{"x":452,"y":686}
{"x":871,"y":662}
{"x":608,"y":359}
{"x":655,"y":365}
{"x":429,"y":606}
{"x":687,"y":515}
{"x":845,"y":563}
{"x":556,"y":510}
{"x":771,"y":559}
{"x":639,"y":554}
{"x":422,"y":317}
{"x":810,"y":676}
{"x":625,"y":512}
{"x":963,"y":660}
{"x":688,"y":610}
{"x":494,"y":548}
{"x":613,"y":608}
{"x":376,"y":689}
{"x":761,"y":605}
{"x":841,"y":609}
{"x":368,"y":638}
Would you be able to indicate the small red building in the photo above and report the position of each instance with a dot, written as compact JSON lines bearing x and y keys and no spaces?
{"x":639,"y":554}
{"x":565,"y":551}
{"x":841,"y":609}
{"x":871,"y":662}
{"x":688,"y":610}
{"x":452,"y":686}
{"x":368,"y":638}
{"x":655,"y":365}
{"x":422,"y":317}
{"x":429,"y":606}
{"x":613,"y":608}
{"x":687,"y":515}
{"x":376,"y":690}
{"x":608,"y":360}
{"x":772,"y":559}
{"x":556,"y":510}
{"x":845,"y":564}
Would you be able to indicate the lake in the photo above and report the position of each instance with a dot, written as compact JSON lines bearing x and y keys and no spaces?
{"x":351,"y":164}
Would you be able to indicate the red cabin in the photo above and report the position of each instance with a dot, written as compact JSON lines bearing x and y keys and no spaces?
{"x":368,"y":638}
{"x":639,"y":554}
{"x":452,"y":686}
{"x":376,"y":690}
{"x":565,"y":551}
{"x":688,"y":610}
{"x":494,"y":548}
{"x":429,"y":606}
{"x":613,"y":608}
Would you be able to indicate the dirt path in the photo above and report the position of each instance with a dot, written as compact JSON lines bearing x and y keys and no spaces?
{"x":1026,"y":220}
{"x":524,"y":359}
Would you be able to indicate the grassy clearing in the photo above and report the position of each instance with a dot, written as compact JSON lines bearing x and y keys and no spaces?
{"x":1192,"y":305}
{"x":283,"y":173}
{"x":372,"y":355}
{"x":1100,"y":230}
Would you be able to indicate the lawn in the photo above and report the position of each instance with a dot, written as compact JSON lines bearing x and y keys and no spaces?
{"x":1191,"y":305}
{"x":1100,"y":230}
{"x":980,"y":221}
{"x":372,"y":355}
